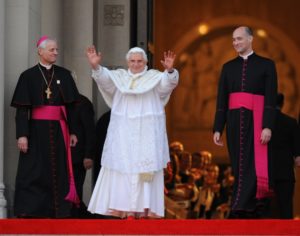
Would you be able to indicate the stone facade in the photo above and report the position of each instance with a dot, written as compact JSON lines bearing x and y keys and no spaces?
{"x":199,"y":31}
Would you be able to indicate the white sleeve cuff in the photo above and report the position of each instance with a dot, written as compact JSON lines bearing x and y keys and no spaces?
{"x":96,"y":73}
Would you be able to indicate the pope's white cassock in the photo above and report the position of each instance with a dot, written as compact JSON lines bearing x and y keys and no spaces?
{"x":136,"y":142}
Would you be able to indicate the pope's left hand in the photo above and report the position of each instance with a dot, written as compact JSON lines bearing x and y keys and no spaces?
{"x":168,"y":61}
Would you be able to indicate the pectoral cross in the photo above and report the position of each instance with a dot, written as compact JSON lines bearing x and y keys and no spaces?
{"x":48,"y":92}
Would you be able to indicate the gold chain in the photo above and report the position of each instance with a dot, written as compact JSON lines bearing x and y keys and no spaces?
{"x":48,"y":90}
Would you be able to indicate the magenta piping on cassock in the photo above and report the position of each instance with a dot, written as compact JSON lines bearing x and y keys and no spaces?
{"x":59,"y":113}
{"x":256,"y":104}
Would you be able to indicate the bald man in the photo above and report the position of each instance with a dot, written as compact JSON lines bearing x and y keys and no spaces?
{"x":246,"y":104}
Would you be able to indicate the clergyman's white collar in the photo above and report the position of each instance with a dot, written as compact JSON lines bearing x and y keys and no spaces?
{"x":46,"y":66}
{"x":246,"y":56}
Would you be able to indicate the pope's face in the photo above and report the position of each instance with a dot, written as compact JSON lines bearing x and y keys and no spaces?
{"x":48,"y":55}
{"x":136,"y":63}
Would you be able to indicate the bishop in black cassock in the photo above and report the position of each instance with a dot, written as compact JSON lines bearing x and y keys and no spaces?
{"x":43,"y":175}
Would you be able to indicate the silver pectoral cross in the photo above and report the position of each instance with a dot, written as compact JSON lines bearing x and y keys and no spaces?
{"x":48,"y":92}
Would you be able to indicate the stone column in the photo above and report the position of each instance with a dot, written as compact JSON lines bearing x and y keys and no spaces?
{"x":78,"y":34}
{"x":52,"y":24}
{"x":112,"y":26}
{"x":2,"y":187}
{"x":22,"y":29}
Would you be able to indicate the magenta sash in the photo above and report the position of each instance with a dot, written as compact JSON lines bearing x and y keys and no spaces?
{"x":59,"y":113}
{"x":256,"y":104}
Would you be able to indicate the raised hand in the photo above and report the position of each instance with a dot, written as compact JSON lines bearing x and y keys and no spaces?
{"x":168,"y":61}
{"x":94,"y":58}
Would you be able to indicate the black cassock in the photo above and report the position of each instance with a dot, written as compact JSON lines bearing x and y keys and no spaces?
{"x":83,"y":125}
{"x":42,"y":181}
{"x":285,"y":142}
{"x":256,"y":75}
{"x":101,"y":131}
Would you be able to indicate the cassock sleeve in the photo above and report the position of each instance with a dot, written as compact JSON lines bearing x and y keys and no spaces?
{"x":101,"y":131}
{"x":87,"y":120}
{"x":270,"y":96}
{"x":21,"y":96}
{"x":22,"y":122}
{"x":222,"y":103}
{"x":296,"y":139}
{"x":67,"y":87}
{"x":71,"y":114}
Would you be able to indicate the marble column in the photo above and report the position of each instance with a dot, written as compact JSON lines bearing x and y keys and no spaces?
{"x":3,"y":202}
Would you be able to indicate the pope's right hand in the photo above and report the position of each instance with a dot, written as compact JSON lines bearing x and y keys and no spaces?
{"x":94,"y":58}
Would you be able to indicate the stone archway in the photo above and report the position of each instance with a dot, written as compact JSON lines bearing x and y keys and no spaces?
{"x":200,"y":59}
{"x":201,"y":56}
